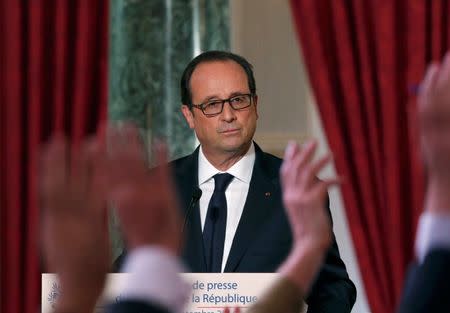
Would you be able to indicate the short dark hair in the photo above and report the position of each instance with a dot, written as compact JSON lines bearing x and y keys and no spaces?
{"x":211,"y":56}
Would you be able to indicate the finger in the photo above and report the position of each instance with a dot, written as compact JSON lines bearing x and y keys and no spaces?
{"x":311,"y":172}
{"x":430,"y":77}
{"x":320,"y":190}
{"x":444,"y":72}
{"x":161,"y":156}
{"x":99,"y":178}
{"x":287,"y":175}
{"x":333,"y":181}
{"x":122,"y":139}
{"x":303,"y":158}
{"x":54,"y":172}
{"x":126,"y":161}
{"x":170,"y":205}
{"x":132,"y":140}
{"x":81,"y":173}
{"x":131,"y":133}
{"x":102,"y":133}
{"x":428,"y":83}
{"x":112,"y":136}
{"x":164,"y":179}
{"x":291,"y":149}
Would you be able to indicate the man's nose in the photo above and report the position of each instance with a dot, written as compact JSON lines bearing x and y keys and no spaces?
{"x":228,"y":113}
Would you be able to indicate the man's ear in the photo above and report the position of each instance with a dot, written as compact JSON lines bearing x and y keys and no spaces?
{"x":255,"y":102}
{"x":187,"y":113}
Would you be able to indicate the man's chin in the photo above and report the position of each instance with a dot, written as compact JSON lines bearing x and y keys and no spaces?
{"x":236,"y":147}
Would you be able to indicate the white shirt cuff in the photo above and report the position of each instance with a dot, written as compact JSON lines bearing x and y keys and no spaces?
{"x":154,"y":277}
{"x":433,"y":231}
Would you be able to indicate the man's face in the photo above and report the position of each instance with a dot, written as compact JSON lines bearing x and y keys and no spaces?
{"x":231,"y":130}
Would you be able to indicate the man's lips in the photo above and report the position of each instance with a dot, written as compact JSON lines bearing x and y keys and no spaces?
{"x":230,"y":131}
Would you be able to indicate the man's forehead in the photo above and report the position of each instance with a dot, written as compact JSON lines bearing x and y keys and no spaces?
{"x":217,"y":65}
{"x":218,"y":77}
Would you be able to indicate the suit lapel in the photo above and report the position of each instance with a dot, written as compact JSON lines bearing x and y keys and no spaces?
{"x":186,"y":177}
{"x":258,"y":206}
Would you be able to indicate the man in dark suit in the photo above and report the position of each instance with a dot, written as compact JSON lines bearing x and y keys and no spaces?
{"x":249,"y":231}
{"x":220,"y":104}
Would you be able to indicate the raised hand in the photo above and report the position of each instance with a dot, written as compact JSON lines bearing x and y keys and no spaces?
{"x":74,"y":230}
{"x":76,"y":185}
{"x":434,"y":125}
{"x":304,"y":197}
{"x":145,"y":199}
{"x":434,"y":119}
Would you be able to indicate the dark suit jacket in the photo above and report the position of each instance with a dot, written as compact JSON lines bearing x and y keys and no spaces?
{"x":263,"y":237}
{"x":427,"y":288}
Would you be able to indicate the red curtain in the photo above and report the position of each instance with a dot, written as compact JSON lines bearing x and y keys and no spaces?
{"x":53,"y":76}
{"x":364,"y":58}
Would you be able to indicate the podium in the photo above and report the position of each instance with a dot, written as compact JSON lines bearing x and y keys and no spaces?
{"x":210,"y":293}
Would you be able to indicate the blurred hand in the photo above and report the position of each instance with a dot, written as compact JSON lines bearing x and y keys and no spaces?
{"x":434,"y":124}
{"x":74,"y":230}
{"x":75,"y":188}
{"x":304,"y":197}
{"x":434,"y":119}
{"x":145,"y":199}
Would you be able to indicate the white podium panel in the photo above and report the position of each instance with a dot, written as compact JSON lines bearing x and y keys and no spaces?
{"x":210,"y":293}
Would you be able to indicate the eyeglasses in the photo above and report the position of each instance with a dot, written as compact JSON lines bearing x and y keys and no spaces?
{"x":215,"y":107}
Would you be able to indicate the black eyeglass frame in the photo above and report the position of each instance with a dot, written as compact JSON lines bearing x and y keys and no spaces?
{"x":201,"y":106}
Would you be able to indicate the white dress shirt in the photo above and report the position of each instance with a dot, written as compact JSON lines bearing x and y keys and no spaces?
{"x":236,"y":193}
{"x":154,"y":273}
{"x":433,"y":231}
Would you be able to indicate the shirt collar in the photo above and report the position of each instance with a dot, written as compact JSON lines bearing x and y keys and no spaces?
{"x":242,"y":169}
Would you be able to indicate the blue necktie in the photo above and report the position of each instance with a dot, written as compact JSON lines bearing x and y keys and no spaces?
{"x":215,"y":224}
